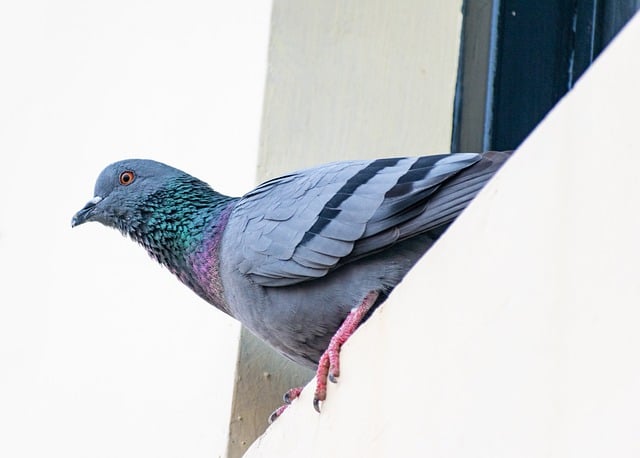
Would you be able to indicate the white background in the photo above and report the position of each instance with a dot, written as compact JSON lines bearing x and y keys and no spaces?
{"x":102,"y":352}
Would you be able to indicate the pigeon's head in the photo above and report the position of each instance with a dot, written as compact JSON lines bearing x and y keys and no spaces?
{"x":122,"y":190}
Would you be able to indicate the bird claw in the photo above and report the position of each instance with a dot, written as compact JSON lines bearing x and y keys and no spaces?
{"x":292,"y":394}
{"x":276,"y":413}
{"x":316,"y":404}
{"x":333,"y":378}
{"x":288,"y":398}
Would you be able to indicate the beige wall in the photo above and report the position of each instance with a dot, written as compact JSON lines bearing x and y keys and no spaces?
{"x":518,"y":334}
{"x":345,"y":79}
{"x":358,"y":79}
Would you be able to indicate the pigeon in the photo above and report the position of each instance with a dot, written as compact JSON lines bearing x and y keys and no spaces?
{"x":303,"y":259}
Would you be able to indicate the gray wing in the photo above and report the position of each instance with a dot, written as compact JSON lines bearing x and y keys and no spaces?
{"x":300,"y":226}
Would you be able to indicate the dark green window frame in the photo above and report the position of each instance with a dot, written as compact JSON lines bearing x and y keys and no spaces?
{"x":519,"y":57}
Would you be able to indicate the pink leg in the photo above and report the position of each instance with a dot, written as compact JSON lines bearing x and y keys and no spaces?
{"x":288,"y":397}
{"x":329,"y":364}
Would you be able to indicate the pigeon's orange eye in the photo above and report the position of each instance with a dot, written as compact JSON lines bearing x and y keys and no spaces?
{"x":126,"y":178}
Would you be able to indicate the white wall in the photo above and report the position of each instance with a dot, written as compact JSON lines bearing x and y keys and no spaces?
{"x":517,"y":334}
{"x":103,"y":353}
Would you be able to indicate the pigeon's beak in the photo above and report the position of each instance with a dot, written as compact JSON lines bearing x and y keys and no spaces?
{"x":86,"y":212}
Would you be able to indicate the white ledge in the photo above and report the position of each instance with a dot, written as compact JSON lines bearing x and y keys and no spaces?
{"x":518,"y":333}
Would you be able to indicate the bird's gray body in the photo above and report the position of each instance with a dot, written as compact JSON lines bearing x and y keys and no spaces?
{"x":294,"y":289}
{"x":293,"y":257}
{"x":299,"y":320}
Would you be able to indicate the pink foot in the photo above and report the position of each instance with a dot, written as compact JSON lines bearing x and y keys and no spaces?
{"x":288,"y":397}
{"x":292,"y":394}
{"x":329,"y":364}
